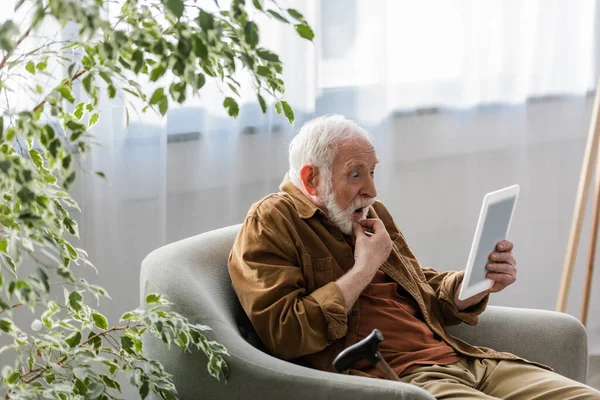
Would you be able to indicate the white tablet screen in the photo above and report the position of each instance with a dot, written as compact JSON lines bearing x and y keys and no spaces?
{"x":494,"y":230}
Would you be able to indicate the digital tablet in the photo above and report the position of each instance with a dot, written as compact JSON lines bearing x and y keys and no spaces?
{"x":492,"y":227}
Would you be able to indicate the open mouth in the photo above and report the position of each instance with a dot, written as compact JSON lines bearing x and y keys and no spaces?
{"x":358,"y":212}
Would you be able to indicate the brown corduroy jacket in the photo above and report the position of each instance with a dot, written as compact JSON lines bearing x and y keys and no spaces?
{"x":284,"y":264}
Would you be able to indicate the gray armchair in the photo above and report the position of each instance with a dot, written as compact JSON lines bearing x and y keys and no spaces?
{"x":192,"y":273}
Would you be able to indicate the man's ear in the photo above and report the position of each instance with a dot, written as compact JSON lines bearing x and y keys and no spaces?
{"x":309,"y":175}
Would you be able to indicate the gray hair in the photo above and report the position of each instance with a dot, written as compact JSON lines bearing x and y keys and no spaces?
{"x":317,"y":141}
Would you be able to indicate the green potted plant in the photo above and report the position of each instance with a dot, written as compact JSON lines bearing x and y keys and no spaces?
{"x":71,"y":350}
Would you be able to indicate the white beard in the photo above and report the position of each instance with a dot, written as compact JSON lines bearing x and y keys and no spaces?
{"x":343,"y":219}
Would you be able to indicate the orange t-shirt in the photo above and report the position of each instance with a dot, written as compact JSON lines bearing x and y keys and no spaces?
{"x":408,"y":341}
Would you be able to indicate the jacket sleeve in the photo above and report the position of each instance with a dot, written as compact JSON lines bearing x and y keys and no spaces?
{"x":445,"y":284}
{"x":270,"y":285}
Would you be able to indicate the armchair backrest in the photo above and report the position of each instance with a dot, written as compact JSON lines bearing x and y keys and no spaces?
{"x":192,"y":273}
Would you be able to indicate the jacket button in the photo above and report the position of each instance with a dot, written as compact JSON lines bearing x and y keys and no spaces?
{"x":354,"y":313}
{"x":340,"y":238}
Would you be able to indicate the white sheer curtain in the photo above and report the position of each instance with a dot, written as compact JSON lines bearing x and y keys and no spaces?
{"x":396,"y":55}
{"x":197,"y":169}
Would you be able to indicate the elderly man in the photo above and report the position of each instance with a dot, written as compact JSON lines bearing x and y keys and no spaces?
{"x":320,"y":264}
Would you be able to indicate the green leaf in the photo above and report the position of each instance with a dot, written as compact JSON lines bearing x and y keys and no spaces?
{"x":200,"y":48}
{"x":206,"y":20}
{"x":66,"y":162}
{"x":163,"y":106}
{"x":78,"y":113}
{"x":178,"y":91}
{"x":157,"y":72}
{"x":233,"y":89}
{"x":75,"y":300}
{"x":49,"y":178}
{"x":278,"y":107}
{"x":94,"y":390}
{"x":111,"y":383}
{"x":93,"y":119}
{"x":263,"y":71}
{"x":305,"y":31}
{"x":12,"y":378}
{"x":81,"y":388}
{"x":176,"y":7}
{"x":94,"y":341}
{"x":44,"y":278}
{"x":41,"y":66}
{"x":4,"y":246}
{"x":267,"y":55}
{"x":127,"y":344}
{"x":112,"y":91}
{"x":6,"y":325}
{"x":65,"y":91}
{"x":112,"y":367}
{"x":232,"y":106}
{"x":70,"y":179}
{"x":100,"y":321}
{"x":296,"y":15}
{"x":105,"y":77}
{"x":10,"y":134}
{"x":74,"y":339}
{"x":278,"y":16}
{"x":127,"y":316}
{"x":101,"y":174}
{"x":75,"y":135}
{"x":144,"y":390}
{"x":251,"y":34}
{"x":72,"y":252}
{"x":36,"y":157}
{"x":26,"y":195}
{"x":200,"y":81}
{"x":262,"y":102}
{"x":8,"y":30}
{"x":288,"y":112}
{"x":87,"y":83}
{"x":157,"y":96}
{"x":1,"y":126}
{"x":30,"y":67}
{"x":152,"y":298}
{"x":258,"y":4}
{"x":11,"y":264}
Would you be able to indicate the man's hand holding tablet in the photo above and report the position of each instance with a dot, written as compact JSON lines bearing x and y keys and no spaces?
{"x":491,"y":266}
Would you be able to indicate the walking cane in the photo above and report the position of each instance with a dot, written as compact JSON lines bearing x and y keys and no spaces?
{"x":367,"y":348}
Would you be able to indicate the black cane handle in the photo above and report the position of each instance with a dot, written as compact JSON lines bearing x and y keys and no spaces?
{"x":368,"y":348}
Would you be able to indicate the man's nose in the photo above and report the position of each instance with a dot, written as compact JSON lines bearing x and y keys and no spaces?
{"x":369,"y":188}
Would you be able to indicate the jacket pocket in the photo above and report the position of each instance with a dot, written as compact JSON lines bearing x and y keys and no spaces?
{"x":322,"y":270}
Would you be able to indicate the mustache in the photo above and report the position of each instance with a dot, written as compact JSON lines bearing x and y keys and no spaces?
{"x":361,"y":203}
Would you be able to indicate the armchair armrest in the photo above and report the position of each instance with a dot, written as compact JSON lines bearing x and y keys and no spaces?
{"x":547,"y":337}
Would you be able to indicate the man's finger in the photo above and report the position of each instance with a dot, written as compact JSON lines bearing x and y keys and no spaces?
{"x":504,"y":245}
{"x":373,"y":224}
{"x":505,"y":279}
{"x":500,"y":268}
{"x":502,"y":257}
{"x":358,"y":230}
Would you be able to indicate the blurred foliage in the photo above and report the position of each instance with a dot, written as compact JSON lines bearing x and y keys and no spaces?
{"x":71,"y":350}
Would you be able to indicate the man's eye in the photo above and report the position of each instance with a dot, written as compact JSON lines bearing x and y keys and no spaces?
{"x":354,"y":175}
{"x":373,"y":172}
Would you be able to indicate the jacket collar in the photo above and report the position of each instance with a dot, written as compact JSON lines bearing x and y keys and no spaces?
{"x":306,"y":208}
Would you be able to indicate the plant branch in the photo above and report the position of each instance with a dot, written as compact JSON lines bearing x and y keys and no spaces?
{"x":67,"y":83}
{"x":64,"y":358}
{"x":13,"y":306}
{"x":17,"y":43}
